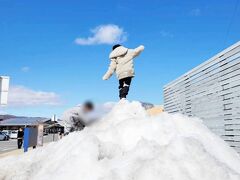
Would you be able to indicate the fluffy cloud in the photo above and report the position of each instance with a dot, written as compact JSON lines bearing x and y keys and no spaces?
{"x":2,"y":112}
{"x":104,"y":34}
{"x":22,"y":96}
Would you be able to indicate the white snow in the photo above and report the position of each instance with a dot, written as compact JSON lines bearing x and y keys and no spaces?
{"x":127,"y":144}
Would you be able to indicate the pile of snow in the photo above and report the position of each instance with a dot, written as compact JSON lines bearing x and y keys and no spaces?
{"x":128,"y":144}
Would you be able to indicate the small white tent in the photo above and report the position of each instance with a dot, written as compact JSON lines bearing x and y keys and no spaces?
{"x":4,"y":87}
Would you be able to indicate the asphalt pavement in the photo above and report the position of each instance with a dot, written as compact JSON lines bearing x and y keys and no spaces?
{"x":7,"y":146}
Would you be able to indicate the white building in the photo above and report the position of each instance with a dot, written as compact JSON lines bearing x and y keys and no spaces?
{"x":211,"y":91}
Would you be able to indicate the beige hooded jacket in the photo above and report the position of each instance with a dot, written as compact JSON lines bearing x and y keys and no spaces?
{"x":122,"y":62}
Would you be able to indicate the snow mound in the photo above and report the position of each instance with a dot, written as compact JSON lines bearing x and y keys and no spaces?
{"x":127,"y":144}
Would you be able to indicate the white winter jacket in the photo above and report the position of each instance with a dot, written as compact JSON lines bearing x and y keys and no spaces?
{"x":70,"y":118}
{"x":122,"y":62}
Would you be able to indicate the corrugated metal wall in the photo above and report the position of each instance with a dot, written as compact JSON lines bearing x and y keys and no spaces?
{"x":211,"y":91}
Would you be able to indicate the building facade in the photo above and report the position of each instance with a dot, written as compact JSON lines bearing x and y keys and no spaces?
{"x":14,"y":123}
{"x":211,"y":91}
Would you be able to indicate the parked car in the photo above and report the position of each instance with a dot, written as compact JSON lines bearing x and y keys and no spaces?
{"x":13,"y":134}
{"x":7,"y":132}
{"x":3,"y":137}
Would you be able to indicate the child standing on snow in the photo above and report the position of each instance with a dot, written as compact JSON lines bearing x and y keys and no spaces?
{"x":122,"y":63}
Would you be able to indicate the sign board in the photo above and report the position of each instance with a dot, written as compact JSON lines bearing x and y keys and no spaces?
{"x":26,"y":139}
{"x":4,"y":87}
{"x":33,"y":135}
{"x":30,"y":137}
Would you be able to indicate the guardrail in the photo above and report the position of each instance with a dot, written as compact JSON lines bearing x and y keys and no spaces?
{"x":211,"y":91}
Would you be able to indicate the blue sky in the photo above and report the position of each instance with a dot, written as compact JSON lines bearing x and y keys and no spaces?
{"x":50,"y":71}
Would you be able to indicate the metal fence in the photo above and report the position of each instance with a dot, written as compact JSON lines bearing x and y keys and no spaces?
{"x":211,"y":91}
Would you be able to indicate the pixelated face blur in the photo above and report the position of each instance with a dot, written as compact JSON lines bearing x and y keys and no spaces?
{"x":87,"y":109}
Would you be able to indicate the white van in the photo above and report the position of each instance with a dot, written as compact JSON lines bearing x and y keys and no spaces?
{"x":13,"y":134}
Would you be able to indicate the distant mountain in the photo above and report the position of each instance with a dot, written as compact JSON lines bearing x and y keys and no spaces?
{"x":6,"y":116}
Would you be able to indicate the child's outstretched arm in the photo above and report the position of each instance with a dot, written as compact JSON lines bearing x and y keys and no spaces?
{"x":138,"y":50}
{"x":111,"y":70}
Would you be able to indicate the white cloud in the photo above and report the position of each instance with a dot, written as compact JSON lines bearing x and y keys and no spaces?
{"x":2,"y":112}
{"x":22,"y":96}
{"x":195,"y":12}
{"x":25,"y":69}
{"x":104,"y":34}
{"x":166,"y":34}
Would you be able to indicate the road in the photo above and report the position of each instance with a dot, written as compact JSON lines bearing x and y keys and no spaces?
{"x":6,"y":146}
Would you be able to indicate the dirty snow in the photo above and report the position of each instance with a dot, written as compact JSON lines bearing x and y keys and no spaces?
{"x":127,"y":144}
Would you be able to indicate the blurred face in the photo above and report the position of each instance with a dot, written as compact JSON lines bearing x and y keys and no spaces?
{"x":87,"y":109}
{"x":20,"y":129}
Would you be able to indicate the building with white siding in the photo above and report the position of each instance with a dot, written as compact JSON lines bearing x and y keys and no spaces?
{"x":211,"y":91}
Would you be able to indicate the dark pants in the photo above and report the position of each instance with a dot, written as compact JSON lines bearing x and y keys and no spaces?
{"x":19,"y":142}
{"x":124,"y":85}
{"x":78,"y":124}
